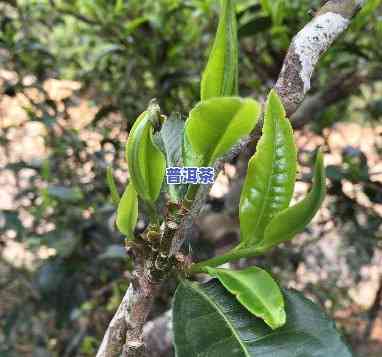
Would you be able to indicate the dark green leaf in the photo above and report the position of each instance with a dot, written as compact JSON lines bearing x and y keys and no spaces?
{"x":215,"y":125}
{"x":269,"y":184}
{"x":256,"y":290}
{"x":220,"y":77}
{"x":146,"y":162}
{"x":127,"y":213}
{"x":285,"y":225}
{"x":208,"y":321}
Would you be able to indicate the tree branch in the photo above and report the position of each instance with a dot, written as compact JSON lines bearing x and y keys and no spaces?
{"x":125,"y":332}
{"x":126,"y":327}
{"x":308,"y":46}
{"x":157,"y":335}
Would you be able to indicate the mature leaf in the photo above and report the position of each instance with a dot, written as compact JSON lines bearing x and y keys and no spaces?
{"x":256,"y":290}
{"x":127,"y":213}
{"x":146,"y":162}
{"x":208,"y":321}
{"x":112,"y":186}
{"x":220,"y":77}
{"x":172,"y":134}
{"x":285,"y":225}
{"x":269,"y":184}
{"x":215,"y":125}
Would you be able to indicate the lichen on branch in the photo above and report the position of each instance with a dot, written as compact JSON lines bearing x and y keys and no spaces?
{"x":308,"y":45}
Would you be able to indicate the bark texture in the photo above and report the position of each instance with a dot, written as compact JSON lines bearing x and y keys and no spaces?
{"x":308,"y":45}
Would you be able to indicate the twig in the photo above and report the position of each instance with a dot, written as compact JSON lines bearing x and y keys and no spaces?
{"x":293,"y":84}
{"x":308,"y":46}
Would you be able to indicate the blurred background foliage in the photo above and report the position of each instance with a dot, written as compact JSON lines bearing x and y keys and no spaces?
{"x":74,"y":75}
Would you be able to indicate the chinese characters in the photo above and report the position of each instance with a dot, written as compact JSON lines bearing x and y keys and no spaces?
{"x":190,"y":175}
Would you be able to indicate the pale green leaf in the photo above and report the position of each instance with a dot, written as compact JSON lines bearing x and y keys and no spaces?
{"x":220,"y":78}
{"x":215,"y":125}
{"x":269,"y":184}
{"x":286,"y":224}
{"x":256,"y":290}
{"x":146,"y":162}
{"x":127,"y":213}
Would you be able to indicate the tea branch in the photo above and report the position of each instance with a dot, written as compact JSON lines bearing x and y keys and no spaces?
{"x":308,"y":45}
{"x":125,"y":332}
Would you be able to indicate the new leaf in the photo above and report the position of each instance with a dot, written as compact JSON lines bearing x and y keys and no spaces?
{"x":256,"y":290}
{"x":127,"y":213}
{"x":285,"y":225}
{"x":215,"y":125}
{"x":146,"y":162}
{"x":269,"y":184}
{"x":220,"y":77}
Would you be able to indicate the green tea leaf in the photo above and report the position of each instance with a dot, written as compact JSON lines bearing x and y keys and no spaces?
{"x":220,"y":77}
{"x":215,"y":125}
{"x":269,"y":184}
{"x":146,"y":162}
{"x":209,"y":321}
{"x":127,"y":213}
{"x":256,"y":290}
{"x":112,"y":186}
{"x":286,"y":224}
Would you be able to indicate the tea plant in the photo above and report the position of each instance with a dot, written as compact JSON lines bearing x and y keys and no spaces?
{"x":238,"y":312}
